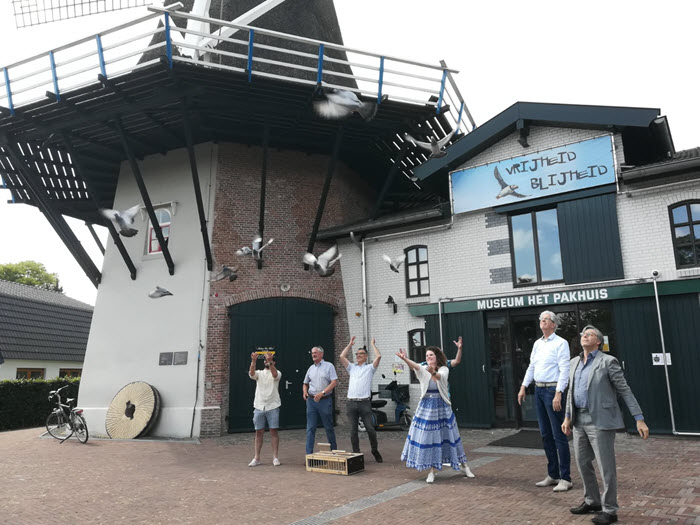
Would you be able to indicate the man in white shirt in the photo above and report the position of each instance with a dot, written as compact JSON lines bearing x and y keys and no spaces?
{"x":266,"y":405}
{"x":360,"y":394}
{"x":549,"y":368}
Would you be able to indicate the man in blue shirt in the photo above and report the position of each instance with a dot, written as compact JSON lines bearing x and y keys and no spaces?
{"x":319,"y":383}
{"x":360,"y":394}
{"x":592,"y":409}
{"x":549,"y":368}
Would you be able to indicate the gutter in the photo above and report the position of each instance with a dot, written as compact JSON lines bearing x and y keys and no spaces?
{"x":661,"y":169}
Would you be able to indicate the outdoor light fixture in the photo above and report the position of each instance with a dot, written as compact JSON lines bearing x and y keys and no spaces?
{"x":390,"y":301}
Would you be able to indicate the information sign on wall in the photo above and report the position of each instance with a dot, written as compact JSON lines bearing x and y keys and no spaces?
{"x":540,"y":174}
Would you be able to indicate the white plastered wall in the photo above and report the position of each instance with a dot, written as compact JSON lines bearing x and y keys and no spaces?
{"x":129,"y":330}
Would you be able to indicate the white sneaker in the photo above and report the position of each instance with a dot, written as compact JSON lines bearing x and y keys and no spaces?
{"x":546,"y":482}
{"x":276,"y":462}
{"x":563,"y":486}
{"x":431,"y":477}
{"x":254,"y":463}
{"x":468,"y":473}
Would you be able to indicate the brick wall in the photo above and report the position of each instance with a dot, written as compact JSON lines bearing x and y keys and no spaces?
{"x":294,"y":184}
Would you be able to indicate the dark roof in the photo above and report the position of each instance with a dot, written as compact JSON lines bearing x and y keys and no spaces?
{"x":645,"y":136}
{"x":681,"y":163}
{"x":39,"y":324}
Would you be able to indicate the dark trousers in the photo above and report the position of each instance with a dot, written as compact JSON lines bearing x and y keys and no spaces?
{"x":363,"y":409}
{"x":554,"y":442}
{"x":323,"y":410}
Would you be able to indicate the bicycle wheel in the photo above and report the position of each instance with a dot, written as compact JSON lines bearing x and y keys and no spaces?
{"x":405,"y":421}
{"x":80,"y":428}
{"x":58,"y":426}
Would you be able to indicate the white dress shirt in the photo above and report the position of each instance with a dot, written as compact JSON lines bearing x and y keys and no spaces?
{"x":549,"y":362}
{"x":360,"y":386}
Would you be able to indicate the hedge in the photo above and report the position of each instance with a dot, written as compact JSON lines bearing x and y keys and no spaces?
{"x":24,"y":403}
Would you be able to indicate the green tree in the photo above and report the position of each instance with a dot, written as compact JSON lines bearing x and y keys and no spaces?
{"x":31,"y":273}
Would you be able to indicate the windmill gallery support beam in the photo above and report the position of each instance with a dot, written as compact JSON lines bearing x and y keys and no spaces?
{"x":197,"y":189}
{"x":146,"y":198}
{"x":389,"y":179}
{"x":42,"y":201}
{"x":82,"y":173}
{"x":326,"y":188}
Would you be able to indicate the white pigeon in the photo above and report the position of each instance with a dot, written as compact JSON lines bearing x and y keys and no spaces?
{"x":434,"y":147}
{"x":340,"y":103}
{"x":227,"y":272}
{"x":506,"y":189}
{"x":158,"y":292}
{"x":323,"y":264}
{"x":256,"y":250}
{"x":395,"y":264}
{"x":123,"y":219}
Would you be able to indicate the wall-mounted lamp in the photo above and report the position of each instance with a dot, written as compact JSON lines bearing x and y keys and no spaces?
{"x":390,"y":301}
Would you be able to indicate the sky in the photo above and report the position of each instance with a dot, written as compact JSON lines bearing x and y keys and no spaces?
{"x":622,"y":53}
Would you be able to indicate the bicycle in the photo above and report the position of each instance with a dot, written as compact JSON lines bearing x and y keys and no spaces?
{"x":64,"y":420}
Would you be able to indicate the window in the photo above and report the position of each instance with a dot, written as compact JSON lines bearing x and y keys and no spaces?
{"x":685,"y":225}
{"x":30,"y":373}
{"x":416,"y":349}
{"x":417,"y":281}
{"x":535,"y":249}
{"x":69,"y":372}
{"x":163,"y":216}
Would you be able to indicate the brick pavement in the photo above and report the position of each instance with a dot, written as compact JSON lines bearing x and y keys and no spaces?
{"x":153,"y":482}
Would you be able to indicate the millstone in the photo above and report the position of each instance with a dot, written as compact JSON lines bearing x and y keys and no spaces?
{"x":133,"y":411}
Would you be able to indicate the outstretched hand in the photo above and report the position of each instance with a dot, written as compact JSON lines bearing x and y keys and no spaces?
{"x":253,"y":356}
{"x":352,"y":341}
{"x":458,"y":343}
{"x":401,"y":354}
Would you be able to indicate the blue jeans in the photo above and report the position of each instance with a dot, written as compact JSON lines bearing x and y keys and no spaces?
{"x":554,"y":442}
{"x":324,"y":410}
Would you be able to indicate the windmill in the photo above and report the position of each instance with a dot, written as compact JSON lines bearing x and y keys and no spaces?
{"x":35,"y":12}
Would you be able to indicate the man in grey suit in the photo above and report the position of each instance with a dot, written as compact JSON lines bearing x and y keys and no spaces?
{"x":595,"y":380}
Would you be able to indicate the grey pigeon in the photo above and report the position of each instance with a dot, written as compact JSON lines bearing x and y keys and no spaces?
{"x":394,"y":264}
{"x":226,"y":272}
{"x":158,"y":292}
{"x":505,"y":188}
{"x":256,"y":250}
{"x":340,"y":103}
{"x":123,"y":219}
{"x":434,"y":147}
{"x":323,"y":264}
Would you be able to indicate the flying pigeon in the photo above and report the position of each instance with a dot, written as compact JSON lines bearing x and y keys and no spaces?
{"x":158,"y":292}
{"x":340,"y":103}
{"x":257,"y":249}
{"x":226,"y":272}
{"x":434,"y":146}
{"x":395,"y":264}
{"x":505,"y":188}
{"x":123,"y":219}
{"x":323,"y":265}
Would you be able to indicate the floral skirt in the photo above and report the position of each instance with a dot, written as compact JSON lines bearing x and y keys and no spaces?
{"x":433,"y":438}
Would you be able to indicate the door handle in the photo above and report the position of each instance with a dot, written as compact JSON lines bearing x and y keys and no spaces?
{"x":286,"y":384}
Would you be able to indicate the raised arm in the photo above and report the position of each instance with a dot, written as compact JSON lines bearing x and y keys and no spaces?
{"x":271,"y":362}
{"x":253,"y":358}
{"x":344,"y":354}
{"x":377,"y":355}
{"x":401,"y":354}
{"x":458,"y":358}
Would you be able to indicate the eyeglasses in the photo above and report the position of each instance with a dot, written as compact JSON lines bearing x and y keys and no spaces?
{"x":588,"y":334}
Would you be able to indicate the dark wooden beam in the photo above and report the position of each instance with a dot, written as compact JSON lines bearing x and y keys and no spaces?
{"x":389,"y":180}
{"x":95,"y":237}
{"x":144,"y":195}
{"x":263,"y":185}
{"x":59,"y":224}
{"x":197,"y":189}
{"x":93,"y":195}
{"x":326,"y":187}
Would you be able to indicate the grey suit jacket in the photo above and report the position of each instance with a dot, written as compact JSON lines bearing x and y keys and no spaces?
{"x":606,"y":381}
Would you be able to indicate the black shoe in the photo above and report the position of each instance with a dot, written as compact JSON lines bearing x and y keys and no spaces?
{"x":604,"y":517}
{"x":377,"y":456}
{"x":585,"y":508}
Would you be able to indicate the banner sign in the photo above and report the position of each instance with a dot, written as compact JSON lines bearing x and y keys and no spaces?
{"x":547,"y":172}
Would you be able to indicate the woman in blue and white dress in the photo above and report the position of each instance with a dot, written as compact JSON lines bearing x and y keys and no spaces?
{"x":433,"y":438}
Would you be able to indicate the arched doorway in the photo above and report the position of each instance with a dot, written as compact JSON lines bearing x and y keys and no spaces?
{"x":290,"y":326}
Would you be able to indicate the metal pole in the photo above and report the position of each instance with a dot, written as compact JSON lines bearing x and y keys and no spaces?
{"x":365,"y":309}
{"x":440,"y":322}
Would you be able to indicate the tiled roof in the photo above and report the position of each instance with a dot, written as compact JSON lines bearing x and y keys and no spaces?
{"x":679,"y":156}
{"x":38,"y":324}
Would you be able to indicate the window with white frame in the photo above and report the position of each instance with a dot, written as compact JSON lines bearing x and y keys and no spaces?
{"x":164,"y":216}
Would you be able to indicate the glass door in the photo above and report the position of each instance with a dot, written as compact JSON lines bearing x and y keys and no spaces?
{"x":501,"y":370}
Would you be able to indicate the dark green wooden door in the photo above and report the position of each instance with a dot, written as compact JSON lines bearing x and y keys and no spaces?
{"x":469,"y":382}
{"x":291,"y":326}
